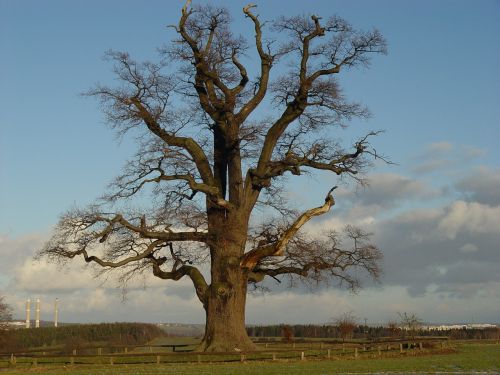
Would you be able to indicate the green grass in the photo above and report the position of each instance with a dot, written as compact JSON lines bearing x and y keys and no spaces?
{"x":468,"y":357}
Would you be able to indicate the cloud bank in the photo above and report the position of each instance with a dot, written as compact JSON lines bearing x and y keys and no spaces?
{"x":441,"y":250}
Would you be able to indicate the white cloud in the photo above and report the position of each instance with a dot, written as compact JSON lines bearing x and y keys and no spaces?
{"x":14,"y":250}
{"x":435,"y":258}
{"x":41,"y":276}
{"x":474,"y":152}
{"x":445,"y":156}
{"x":482,"y":185}
{"x":471,"y":217}
{"x":469,"y":248}
{"x":440,"y":147}
{"x":375,"y":304}
{"x":390,"y":189}
{"x":432,"y":165}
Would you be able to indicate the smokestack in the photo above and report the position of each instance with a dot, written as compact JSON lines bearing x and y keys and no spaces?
{"x":56,"y":311}
{"x":28,"y":304}
{"x":37,"y":321}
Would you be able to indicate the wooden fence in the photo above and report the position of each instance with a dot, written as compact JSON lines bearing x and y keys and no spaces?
{"x":274,"y":351}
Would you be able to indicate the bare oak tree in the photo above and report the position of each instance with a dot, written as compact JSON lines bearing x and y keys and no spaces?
{"x":5,"y":318}
{"x":410,"y":323}
{"x":208,"y":159}
{"x":5,"y":313}
{"x":346,"y":323}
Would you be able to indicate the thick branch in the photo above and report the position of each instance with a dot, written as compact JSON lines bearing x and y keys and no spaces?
{"x":203,"y":73}
{"x":265,"y":66}
{"x":354,"y":48}
{"x":176,"y":273}
{"x":194,"y":274}
{"x":318,"y":31}
{"x":319,"y":260}
{"x":295,"y":108}
{"x":186,"y":143}
{"x":103,"y":263}
{"x":144,"y":232}
{"x":243,"y":73}
{"x":211,"y":191}
{"x":292,"y":162}
{"x":251,"y":258}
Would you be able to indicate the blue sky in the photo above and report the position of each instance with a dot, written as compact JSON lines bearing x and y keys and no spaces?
{"x":436,"y":95}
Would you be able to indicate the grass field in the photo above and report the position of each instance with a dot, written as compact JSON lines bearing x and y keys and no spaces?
{"x":466,"y":358}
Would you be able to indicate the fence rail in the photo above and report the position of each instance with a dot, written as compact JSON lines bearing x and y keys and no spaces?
{"x":289,"y":352}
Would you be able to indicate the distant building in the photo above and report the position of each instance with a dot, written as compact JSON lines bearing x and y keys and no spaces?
{"x":447,"y":327}
{"x":14,"y":324}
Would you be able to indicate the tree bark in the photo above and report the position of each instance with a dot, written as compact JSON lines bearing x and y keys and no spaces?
{"x":226,"y":298}
{"x":225,"y":316}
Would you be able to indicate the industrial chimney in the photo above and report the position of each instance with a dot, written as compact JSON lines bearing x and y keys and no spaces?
{"x":56,"y":311}
{"x":28,"y":304}
{"x":37,"y":321}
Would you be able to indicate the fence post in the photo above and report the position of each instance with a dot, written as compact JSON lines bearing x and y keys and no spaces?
{"x":72,"y":360}
{"x":111,"y":361}
{"x":379,"y":351}
{"x":401,"y":348}
{"x":158,"y":359}
{"x":274,"y":356}
{"x":328,"y":355}
{"x":99,"y":351}
{"x":302,"y":356}
{"x":126,"y":350}
{"x":266,"y":344}
{"x":293,"y":346}
{"x":420,"y":345}
{"x":151,"y":349}
{"x":356,"y":352}
{"x":343,"y":347}
{"x":242,"y":358}
{"x":74,"y":351}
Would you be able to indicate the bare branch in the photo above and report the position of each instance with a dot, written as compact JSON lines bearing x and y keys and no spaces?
{"x":346,"y":47}
{"x":193,"y":273}
{"x":323,"y":260}
{"x":251,"y":258}
{"x":265,"y":66}
{"x":317,"y":156}
{"x":186,"y":143}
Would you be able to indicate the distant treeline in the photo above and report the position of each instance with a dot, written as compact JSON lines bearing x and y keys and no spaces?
{"x":364,"y":332}
{"x":318,"y":331}
{"x":79,"y":335}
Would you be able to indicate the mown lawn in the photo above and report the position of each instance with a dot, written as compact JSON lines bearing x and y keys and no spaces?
{"x":469,"y":357}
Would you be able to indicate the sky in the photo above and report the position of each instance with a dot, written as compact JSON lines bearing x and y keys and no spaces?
{"x":435,"y":212}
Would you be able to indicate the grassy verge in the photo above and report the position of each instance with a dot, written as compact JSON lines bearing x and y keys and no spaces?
{"x":467,"y":357}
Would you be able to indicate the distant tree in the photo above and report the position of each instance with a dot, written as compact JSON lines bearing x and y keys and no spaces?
{"x":493,"y":333}
{"x":410,"y":323}
{"x":211,"y":151}
{"x":393,"y":328}
{"x":287,"y":333}
{"x":5,"y":317}
{"x":5,"y":312}
{"x":78,"y":335}
{"x":346,"y":324}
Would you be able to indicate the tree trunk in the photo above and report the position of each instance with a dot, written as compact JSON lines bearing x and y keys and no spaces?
{"x":225,"y":308}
